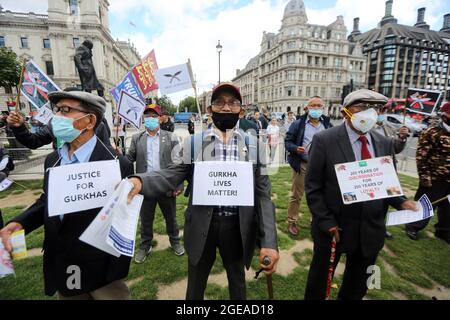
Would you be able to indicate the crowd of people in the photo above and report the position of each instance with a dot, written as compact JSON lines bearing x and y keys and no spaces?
{"x":158,"y":166}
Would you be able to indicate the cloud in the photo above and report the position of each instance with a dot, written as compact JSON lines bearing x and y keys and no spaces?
{"x":36,"y":6}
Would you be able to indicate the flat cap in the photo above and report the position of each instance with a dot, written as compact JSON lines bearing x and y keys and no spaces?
{"x":364,"y":95}
{"x":92,"y":101}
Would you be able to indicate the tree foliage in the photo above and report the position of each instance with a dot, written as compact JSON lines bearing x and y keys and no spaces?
{"x":10,"y":68}
{"x":189,"y":104}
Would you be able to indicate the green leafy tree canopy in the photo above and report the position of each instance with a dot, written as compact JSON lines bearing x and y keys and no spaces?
{"x":189,"y":103}
{"x":10,"y":68}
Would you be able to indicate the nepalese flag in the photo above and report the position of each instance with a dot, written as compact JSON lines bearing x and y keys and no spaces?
{"x":36,"y":85}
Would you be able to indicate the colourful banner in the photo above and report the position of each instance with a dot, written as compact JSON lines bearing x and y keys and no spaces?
{"x":36,"y":85}
{"x":128,"y":84}
{"x":144,"y":73}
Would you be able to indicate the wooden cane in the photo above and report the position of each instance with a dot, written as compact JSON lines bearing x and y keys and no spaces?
{"x":440,"y":200}
{"x":331,"y":268}
{"x":266,"y":262}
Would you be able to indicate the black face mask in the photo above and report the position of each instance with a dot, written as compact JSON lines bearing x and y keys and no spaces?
{"x":225,"y":121}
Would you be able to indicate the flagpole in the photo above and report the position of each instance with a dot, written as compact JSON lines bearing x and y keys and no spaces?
{"x":194,"y":82}
{"x":20,"y":85}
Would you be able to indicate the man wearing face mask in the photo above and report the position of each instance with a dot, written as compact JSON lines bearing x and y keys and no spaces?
{"x":152,"y":151}
{"x":298,"y":141}
{"x":359,"y":228}
{"x":101,"y":276}
{"x":234,"y":230}
{"x":433,"y":167}
{"x":45,"y":135}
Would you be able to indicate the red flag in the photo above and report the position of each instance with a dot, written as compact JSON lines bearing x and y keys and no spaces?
{"x":144,"y":73}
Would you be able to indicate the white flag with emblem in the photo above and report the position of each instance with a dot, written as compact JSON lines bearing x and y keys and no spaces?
{"x":174,"y":79}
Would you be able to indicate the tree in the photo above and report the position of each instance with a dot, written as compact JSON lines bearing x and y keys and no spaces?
{"x":189,"y":104}
{"x":166,"y":104}
{"x":10,"y":68}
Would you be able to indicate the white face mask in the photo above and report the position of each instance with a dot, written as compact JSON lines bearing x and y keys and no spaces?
{"x":364,"y":121}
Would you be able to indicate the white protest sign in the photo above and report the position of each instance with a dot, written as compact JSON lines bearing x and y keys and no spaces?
{"x":368,"y":180}
{"x":5,"y":184}
{"x":223,"y":183}
{"x":122,"y":230}
{"x":173,"y":79}
{"x":44,"y":115}
{"x":81,"y":186}
{"x":407,"y":216}
{"x":116,"y":221}
{"x":130,"y":109}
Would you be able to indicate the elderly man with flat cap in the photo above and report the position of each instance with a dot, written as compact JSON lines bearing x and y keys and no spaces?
{"x":234,"y":230}
{"x":101,"y":274}
{"x":358,"y":228}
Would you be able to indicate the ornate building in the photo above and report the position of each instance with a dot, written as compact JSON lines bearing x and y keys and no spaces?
{"x":401,"y":56}
{"x":50,"y":40}
{"x":300,"y":61}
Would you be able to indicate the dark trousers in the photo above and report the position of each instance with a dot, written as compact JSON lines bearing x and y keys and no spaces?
{"x":439,"y":189}
{"x":354,"y":284}
{"x":169,"y":210}
{"x":1,"y":220}
{"x":224,"y":233}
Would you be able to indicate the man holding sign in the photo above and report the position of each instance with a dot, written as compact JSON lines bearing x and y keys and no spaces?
{"x":230,"y":206}
{"x":357,"y":227}
{"x":74,"y":192}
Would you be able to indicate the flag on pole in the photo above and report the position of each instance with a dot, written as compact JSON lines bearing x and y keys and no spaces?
{"x":174,"y":79}
{"x":36,"y":85}
{"x":5,"y":184}
{"x":144,"y":73}
{"x":128,"y":84}
{"x":422,"y":101}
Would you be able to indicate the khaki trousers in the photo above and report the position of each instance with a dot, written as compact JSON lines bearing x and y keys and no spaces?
{"x":116,"y":290}
{"x":297,"y":191}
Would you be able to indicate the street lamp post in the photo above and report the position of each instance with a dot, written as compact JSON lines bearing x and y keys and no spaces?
{"x":219,"y":50}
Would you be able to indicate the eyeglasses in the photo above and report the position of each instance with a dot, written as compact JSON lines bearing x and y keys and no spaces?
{"x":315,"y":105}
{"x":65,"y":109}
{"x":234,"y":105}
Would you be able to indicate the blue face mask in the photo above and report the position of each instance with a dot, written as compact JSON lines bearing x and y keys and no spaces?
{"x":63,"y":129}
{"x":315,"y":113}
{"x":151,"y":123}
{"x":381,"y":118}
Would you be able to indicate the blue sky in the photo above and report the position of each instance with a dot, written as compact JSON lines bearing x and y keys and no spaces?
{"x":179,"y":30}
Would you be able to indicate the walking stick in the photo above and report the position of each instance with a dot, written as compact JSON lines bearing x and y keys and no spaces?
{"x":331,"y":268}
{"x":441,"y":199}
{"x":266,"y":262}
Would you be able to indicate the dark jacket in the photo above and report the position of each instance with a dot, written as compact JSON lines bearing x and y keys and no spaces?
{"x":167,"y":126}
{"x":45,"y":135}
{"x":294,"y":139}
{"x":191,"y":126}
{"x":363,"y":223}
{"x":62,"y":247}
{"x":257,"y":223}
{"x":245,"y":125}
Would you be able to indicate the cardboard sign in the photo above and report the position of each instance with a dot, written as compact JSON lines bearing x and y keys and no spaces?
{"x":368,"y":180}
{"x":223,"y":183}
{"x":81,"y":186}
{"x":131,"y":109}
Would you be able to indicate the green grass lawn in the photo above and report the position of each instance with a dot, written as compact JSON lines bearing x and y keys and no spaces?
{"x":407,"y":267}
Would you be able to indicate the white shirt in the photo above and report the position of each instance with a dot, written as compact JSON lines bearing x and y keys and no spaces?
{"x":153,"y":152}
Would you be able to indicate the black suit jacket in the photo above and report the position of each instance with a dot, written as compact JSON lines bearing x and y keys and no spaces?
{"x":257,"y":223}
{"x":62,"y":247}
{"x":363,"y":224}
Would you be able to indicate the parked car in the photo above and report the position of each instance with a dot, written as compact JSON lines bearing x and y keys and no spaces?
{"x":396,"y":121}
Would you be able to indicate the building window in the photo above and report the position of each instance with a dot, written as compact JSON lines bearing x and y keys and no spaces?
{"x":2,"y":42}
{"x":308,"y":91}
{"x":49,"y":68}
{"x":46,"y":43}
{"x":300,"y":91}
{"x":322,"y":91}
{"x":73,"y":4}
{"x":8,"y":89}
{"x":291,"y":44}
{"x":76,"y":42}
{"x":24,"y":42}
